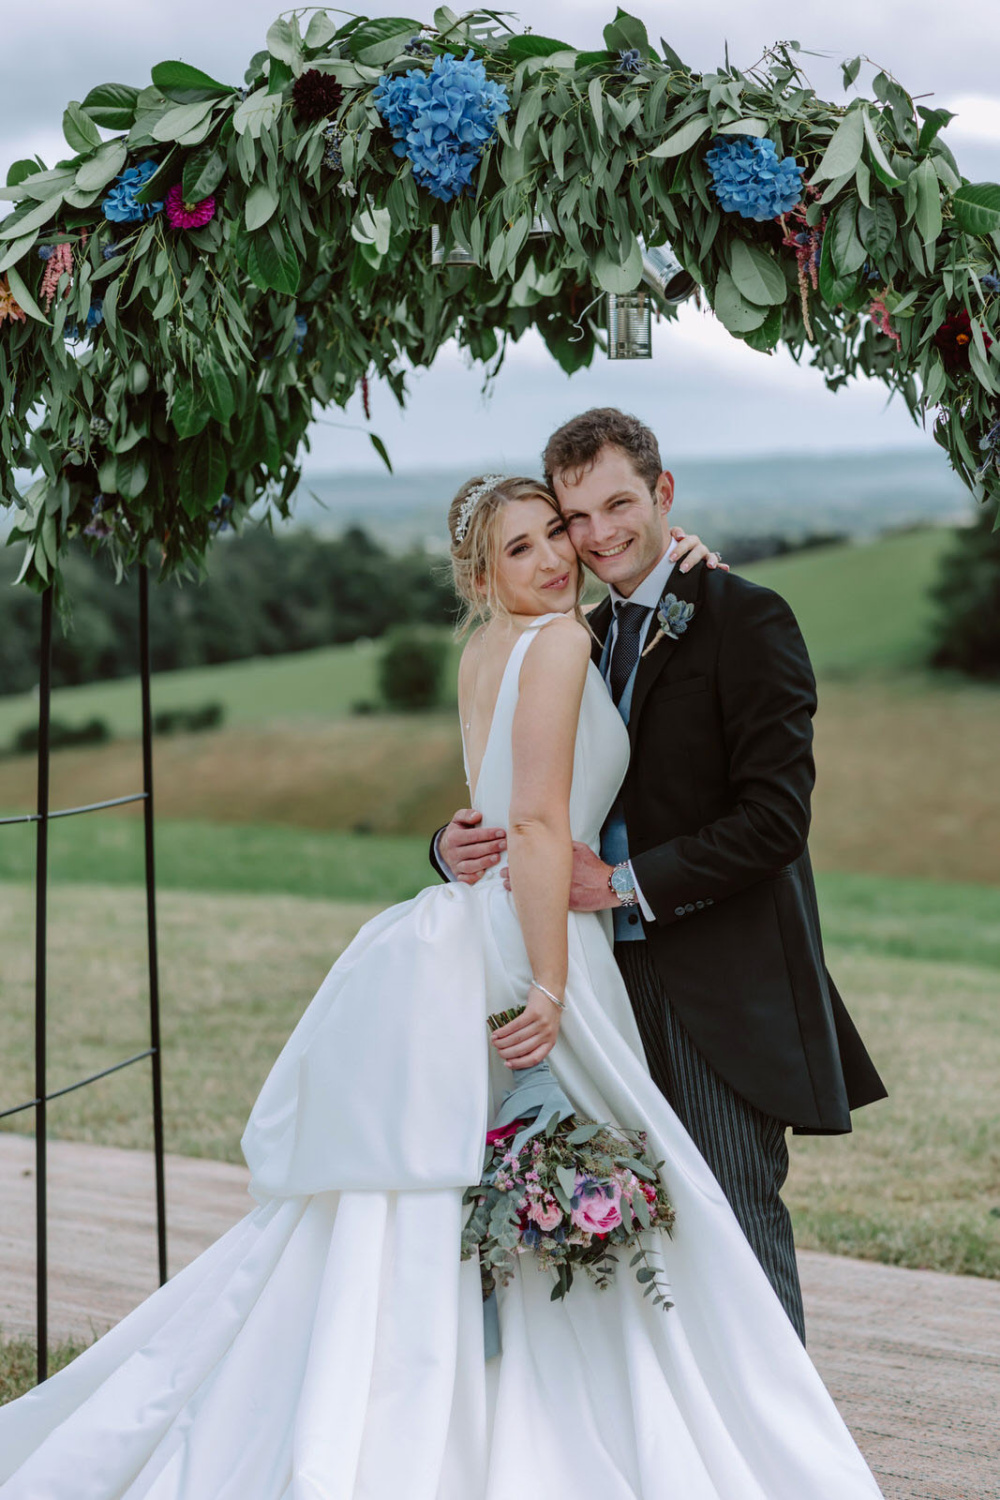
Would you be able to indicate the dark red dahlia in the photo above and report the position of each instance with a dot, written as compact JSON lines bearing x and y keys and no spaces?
{"x":953,"y":339}
{"x":316,"y":96}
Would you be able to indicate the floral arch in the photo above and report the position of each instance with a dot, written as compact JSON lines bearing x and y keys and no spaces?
{"x":211,"y":263}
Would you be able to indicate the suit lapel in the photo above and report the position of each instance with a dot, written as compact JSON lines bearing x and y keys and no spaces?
{"x":686,"y":587}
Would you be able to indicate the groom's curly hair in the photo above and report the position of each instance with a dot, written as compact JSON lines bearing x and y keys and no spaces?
{"x":574,"y":448}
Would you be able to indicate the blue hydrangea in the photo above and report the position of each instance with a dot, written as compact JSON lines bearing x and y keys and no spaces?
{"x":442,"y":119}
{"x":749,"y":179}
{"x":120,"y":204}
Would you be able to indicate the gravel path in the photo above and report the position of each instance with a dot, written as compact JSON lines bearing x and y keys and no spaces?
{"x":911,"y":1357}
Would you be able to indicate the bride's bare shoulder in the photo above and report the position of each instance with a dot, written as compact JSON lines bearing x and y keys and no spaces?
{"x":560,"y":643}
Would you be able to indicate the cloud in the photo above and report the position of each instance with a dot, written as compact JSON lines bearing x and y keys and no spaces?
{"x":977,"y":119}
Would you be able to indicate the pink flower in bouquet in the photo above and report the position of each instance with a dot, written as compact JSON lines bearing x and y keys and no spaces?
{"x":181,"y":215}
{"x":597,"y":1212}
{"x":503,"y":1132}
{"x":546,"y":1215}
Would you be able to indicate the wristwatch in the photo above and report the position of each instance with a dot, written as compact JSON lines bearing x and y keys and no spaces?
{"x":622,"y":882}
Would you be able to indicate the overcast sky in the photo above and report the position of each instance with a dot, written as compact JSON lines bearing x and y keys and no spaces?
{"x":704,"y":392}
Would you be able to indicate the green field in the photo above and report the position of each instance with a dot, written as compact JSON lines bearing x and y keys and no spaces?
{"x":862,"y":609}
{"x":305,"y":687}
{"x":917,"y":1184}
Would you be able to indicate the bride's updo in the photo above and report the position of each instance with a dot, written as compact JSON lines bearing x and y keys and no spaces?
{"x":475,"y":538}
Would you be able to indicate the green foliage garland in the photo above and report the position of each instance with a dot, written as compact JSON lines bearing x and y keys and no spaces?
{"x":189,"y":400}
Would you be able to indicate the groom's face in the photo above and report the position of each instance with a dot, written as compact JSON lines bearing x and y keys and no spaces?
{"x":616,"y":523}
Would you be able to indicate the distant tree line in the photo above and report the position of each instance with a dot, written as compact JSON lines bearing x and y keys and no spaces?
{"x":265,"y":595}
{"x":967,"y":599}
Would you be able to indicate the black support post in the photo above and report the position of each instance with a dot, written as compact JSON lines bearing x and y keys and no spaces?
{"x":42,"y":817}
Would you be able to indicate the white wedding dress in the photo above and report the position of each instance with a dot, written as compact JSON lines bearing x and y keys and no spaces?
{"x":330,"y":1345}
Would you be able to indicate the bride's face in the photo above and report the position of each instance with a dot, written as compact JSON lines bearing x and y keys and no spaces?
{"x":536,"y":565}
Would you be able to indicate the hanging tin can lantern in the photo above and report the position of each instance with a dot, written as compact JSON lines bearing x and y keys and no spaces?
{"x":540,"y":228}
{"x":456,"y":256}
{"x":629,"y":324}
{"x":664,"y":274}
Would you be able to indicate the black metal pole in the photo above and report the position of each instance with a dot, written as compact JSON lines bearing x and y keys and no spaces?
{"x":154,"y":974}
{"x":41,"y":914}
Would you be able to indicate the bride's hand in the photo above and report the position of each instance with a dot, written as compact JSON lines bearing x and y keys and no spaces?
{"x":688,"y":550}
{"x":531,"y":1035}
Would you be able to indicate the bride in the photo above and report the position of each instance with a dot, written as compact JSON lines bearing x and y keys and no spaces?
{"x":330,"y":1346}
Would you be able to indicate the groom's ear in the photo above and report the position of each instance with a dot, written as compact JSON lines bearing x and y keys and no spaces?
{"x":664,"y":492}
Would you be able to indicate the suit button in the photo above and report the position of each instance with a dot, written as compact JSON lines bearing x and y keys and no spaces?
{"x":678,"y":911}
{"x":689,"y":908}
{"x":699,"y":905}
{"x":633,"y":919}
{"x":709,"y":901}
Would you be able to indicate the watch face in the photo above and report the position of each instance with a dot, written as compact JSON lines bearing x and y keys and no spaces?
{"x":622,"y":883}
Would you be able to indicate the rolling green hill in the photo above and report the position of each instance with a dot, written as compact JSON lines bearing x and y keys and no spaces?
{"x":862,"y":609}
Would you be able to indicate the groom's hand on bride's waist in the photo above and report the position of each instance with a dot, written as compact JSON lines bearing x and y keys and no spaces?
{"x":589,"y":889}
{"x":467,"y":849}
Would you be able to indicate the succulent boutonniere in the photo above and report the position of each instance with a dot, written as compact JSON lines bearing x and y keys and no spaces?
{"x":673,"y":618}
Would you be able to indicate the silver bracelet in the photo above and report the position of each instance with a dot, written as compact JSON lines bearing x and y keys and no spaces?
{"x":535,"y":985}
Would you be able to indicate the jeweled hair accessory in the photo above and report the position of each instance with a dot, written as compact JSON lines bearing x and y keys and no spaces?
{"x":472,"y":499}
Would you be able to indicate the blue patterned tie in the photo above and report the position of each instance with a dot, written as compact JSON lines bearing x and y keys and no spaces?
{"x":631,"y":618}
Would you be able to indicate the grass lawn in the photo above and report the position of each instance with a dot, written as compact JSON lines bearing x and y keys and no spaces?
{"x":304,"y":686}
{"x":918,"y":1183}
{"x":861,"y":608}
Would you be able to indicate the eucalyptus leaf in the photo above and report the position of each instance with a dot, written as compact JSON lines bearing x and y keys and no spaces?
{"x":877,"y":227}
{"x":733,"y":310}
{"x":180,"y":75}
{"x":844,"y":151}
{"x":16,"y":249}
{"x":35,"y":218}
{"x":743,"y":127}
{"x":204,"y":170}
{"x":182,"y":118}
{"x":261,"y":202}
{"x":103,"y":166}
{"x":566,"y":1177}
{"x":319,"y":31}
{"x":683,"y":138}
{"x":929,"y":220}
{"x":23,"y":297}
{"x":79,"y":129}
{"x":757,"y":275}
{"x":847,"y":253}
{"x":614,"y":276}
{"x":880,"y":161}
{"x":258,"y":111}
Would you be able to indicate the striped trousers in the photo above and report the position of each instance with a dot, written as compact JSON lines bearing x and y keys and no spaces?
{"x":744,"y":1147}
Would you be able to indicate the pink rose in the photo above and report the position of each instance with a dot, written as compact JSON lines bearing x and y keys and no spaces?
{"x":546,"y":1215}
{"x":598,"y":1211}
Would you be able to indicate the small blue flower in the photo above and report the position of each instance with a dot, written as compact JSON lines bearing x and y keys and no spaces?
{"x":301,"y":329}
{"x":221,"y":512}
{"x":674,"y":616}
{"x":749,"y":179}
{"x":96,"y":313}
{"x":442,"y":119}
{"x":120,"y":205}
{"x":333,"y":135}
{"x":531,"y":1237}
{"x":630,"y":60}
{"x":111,"y":250}
{"x":46,"y":251}
{"x":990,"y":281}
{"x":417,"y":47}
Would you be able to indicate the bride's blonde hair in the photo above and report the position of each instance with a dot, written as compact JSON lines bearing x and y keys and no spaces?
{"x":475,"y":543}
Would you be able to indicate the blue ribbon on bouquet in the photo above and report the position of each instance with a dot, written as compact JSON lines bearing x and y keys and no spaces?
{"x":536,"y":1097}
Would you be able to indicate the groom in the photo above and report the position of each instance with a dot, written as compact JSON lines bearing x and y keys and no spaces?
{"x":703,"y":857}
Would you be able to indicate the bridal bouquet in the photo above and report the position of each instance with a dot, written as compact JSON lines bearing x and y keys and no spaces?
{"x":573,"y":1192}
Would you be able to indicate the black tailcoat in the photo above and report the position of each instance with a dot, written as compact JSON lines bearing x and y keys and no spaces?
{"x":717,"y":808}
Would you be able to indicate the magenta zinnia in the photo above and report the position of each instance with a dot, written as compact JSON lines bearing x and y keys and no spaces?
{"x":181,"y":215}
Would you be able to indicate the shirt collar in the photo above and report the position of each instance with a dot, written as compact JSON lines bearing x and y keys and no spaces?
{"x":650,"y":591}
